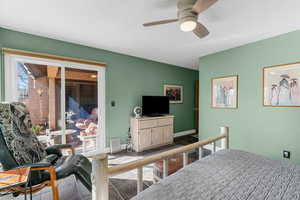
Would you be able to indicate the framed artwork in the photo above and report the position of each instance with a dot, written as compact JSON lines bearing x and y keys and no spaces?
{"x":281,"y":85}
{"x":225,"y":92}
{"x":174,"y":92}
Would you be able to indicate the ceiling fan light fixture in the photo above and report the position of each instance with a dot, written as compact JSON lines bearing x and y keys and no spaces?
{"x":187,"y":19}
{"x":187,"y":26}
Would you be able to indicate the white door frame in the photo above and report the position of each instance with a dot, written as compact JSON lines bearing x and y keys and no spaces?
{"x":11,"y":87}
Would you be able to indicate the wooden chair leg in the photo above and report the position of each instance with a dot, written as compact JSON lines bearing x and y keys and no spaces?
{"x":55,"y":192}
{"x":54,"y":184}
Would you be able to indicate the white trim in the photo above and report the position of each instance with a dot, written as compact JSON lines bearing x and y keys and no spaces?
{"x":101,"y":140}
{"x":10,"y":74}
{"x":108,"y":150}
{"x":184,"y":133}
{"x":7,"y":73}
{"x":58,"y":63}
{"x":63,"y":105}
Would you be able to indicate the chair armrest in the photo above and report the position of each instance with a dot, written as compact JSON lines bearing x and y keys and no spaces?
{"x":56,"y":149}
{"x":52,"y":158}
{"x":52,"y":150}
{"x":44,"y":166}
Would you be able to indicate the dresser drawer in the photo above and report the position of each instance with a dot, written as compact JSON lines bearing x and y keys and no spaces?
{"x":165,"y":122}
{"x":147,"y":124}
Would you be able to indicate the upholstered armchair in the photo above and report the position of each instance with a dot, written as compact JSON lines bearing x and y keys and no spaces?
{"x":19,"y":147}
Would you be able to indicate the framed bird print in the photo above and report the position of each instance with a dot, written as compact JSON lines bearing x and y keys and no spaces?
{"x":225,"y":92}
{"x":281,"y":85}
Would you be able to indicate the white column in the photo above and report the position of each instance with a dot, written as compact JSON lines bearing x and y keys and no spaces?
{"x":214,"y":147}
{"x":139,"y":179}
{"x":165,"y":167}
{"x":63,"y":106}
{"x":185,"y":159}
{"x":200,"y":152}
{"x":225,"y":141}
{"x":100,"y":190}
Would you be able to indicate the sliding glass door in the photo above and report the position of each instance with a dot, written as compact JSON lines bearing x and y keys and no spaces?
{"x":81,"y":108}
{"x":65,"y":101}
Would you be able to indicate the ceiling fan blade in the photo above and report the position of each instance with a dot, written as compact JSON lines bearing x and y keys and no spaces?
{"x":160,"y":22}
{"x":200,"y":30}
{"x":202,"y":5}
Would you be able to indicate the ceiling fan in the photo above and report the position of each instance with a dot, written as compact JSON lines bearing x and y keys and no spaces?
{"x":187,"y":15}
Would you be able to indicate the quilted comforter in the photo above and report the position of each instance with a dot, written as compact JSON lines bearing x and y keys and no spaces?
{"x":229,"y":175}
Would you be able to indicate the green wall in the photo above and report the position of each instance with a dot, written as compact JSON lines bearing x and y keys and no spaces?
{"x":254,"y":128}
{"x":127,"y":79}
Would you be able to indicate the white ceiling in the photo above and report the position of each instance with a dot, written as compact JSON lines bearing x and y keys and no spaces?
{"x":116,"y":25}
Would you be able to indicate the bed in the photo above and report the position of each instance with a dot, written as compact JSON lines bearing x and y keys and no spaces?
{"x":225,"y":175}
{"x":229,"y":175}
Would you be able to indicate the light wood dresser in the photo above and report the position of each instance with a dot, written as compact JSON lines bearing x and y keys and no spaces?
{"x":151,"y":132}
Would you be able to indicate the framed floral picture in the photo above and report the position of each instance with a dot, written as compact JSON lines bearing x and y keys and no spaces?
{"x":174,"y":92}
{"x":281,"y":85}
{"x":225,"y":92}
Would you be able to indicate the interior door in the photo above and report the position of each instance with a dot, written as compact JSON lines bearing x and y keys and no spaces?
{"x":197,"y":105}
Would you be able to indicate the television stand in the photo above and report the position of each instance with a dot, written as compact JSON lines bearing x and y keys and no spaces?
{"x":151,"y":132}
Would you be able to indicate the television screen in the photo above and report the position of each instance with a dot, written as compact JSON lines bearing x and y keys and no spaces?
{"x":155,"y":105}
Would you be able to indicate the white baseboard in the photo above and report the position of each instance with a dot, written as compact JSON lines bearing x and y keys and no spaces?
{"x":123,"y":147}
{"x":106,"y":150}
{"x":184,"y":133}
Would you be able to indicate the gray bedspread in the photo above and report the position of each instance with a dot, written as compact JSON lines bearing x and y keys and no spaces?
{"x":229,"y":175}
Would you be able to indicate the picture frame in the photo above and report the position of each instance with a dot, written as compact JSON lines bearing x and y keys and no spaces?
{"x":224,"y":92}
{"x":174,"y":92}
{"x":281,"y":85}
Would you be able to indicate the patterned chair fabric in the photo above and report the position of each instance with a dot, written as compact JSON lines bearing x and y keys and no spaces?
{"x":16,"y":130}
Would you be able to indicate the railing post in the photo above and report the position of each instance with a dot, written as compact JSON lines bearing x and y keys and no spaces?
{"x":200,"y":152}
{"x":214,"y":147}
{"x":140,"y":180}
{"x":224,"y":130}
{"x":165,"y":167}
{"x":84,"y":145}
{"x":100,"y":189}
{"x":185,"y":159}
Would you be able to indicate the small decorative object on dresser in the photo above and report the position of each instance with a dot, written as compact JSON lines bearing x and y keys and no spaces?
{"x":174,"y":92}
{"x":151,"y":132}
{"x":225,"y":92}
{"x":137,"y":111}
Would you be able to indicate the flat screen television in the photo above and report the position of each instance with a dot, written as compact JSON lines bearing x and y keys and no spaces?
{"x":155,"y":105}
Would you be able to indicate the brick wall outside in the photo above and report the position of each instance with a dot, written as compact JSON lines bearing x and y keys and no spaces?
{"x":38,"y":104}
